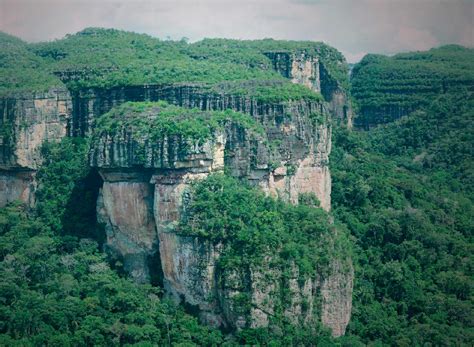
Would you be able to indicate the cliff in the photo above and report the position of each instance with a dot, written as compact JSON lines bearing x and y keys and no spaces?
{"x":150,"y":153}
{"x":305,"y":69}
{"x":28,"y":120}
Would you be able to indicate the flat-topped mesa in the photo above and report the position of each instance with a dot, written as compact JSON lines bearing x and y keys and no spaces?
{"x":232,"y":112}
{"x":27,"y":121}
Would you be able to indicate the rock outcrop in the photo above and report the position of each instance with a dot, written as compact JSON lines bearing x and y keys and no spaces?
{"x":305,"y":69}
{"x":27,"y":121}
{"x":300,"y":67}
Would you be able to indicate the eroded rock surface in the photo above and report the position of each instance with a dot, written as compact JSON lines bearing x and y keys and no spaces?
{"x":305,"y":69}
{"x":125,"y":206}
{"x":17,"y":186}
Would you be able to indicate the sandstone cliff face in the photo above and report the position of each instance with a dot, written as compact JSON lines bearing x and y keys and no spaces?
{"x":125,"y":206}
{"x":28,"y":120}
{"x":300,"y":67}
{"x":17,"y":186}
{"x":336,"y":291}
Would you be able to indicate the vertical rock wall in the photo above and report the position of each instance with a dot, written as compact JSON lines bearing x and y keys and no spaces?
{"x":26,"y":121}
{"x":305,"y":69}
{"x":299,"y":146}
{"x":125,"y":207}
{"x":17,"y":185}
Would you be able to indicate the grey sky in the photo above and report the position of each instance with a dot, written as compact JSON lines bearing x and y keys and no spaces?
{"x":354,"y":27}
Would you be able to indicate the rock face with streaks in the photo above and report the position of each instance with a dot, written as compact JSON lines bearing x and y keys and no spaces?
{"x":336,"y":292}
{"x":26,"y":121}
{"x":300,"y":67}
{"x":125,"y":206}
{"x":305,"y":69}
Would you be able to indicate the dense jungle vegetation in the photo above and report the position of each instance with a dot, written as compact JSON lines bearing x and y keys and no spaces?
{"x":402,"y":189}
{"x":405,"y":191}
{"x":155,"y":120}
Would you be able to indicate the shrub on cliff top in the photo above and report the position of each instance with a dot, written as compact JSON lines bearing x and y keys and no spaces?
{"x":156,"y":120}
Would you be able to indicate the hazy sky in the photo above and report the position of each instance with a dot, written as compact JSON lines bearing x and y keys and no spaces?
{"x":355,"y":27}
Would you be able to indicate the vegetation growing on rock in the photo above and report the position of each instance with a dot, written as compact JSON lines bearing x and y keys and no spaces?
{"x":108,"y":58}
{"x":156,"y":120}
{"x":254,"y":226}
{"x":262,"y":236}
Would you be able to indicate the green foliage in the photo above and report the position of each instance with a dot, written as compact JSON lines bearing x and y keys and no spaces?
{"x":6,"y":133}
{"x":62,"y":293}
{"x":405,"y":190}
{"x":225,"y":210}
{"x":21,"y":70}
{"x":317,"y":118}
{"x":67,"y":189}
{"x":271,"y":91}
{"x":109,"y":58}
{"x":250,"y":53}
{"x":156,"y":120}
{"x":386,"y":88}
{"x":259,"y":233}
{"x":308,"y":199}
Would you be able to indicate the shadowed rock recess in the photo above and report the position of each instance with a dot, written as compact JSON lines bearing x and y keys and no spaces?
{"x":150,"y":141}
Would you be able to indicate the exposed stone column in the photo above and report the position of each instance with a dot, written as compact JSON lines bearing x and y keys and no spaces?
{"x":336,"y":292}
{"x":305,"y":71}
{"x":188,"y":263}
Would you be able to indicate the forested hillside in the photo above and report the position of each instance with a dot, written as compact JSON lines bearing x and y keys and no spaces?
{"x":387,"y":88}
{"x":109,"y":58}
{"x":405,"y":190}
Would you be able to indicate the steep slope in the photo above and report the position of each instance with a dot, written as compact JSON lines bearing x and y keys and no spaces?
{"x":103,"y":68}
{"x":34,"y":107}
